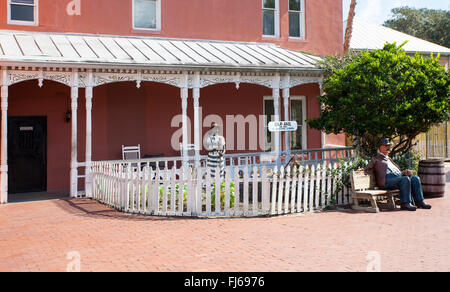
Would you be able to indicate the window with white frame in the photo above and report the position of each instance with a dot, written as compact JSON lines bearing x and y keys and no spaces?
{"x":270,"y":18}
{"x":297,"y":18}
{"x":23,"y":12}
{"x":147,"y":14}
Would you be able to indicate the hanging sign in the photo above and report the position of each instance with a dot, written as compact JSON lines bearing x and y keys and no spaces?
{"x":291,"y":126}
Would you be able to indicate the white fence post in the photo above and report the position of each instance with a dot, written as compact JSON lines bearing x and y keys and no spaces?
{"x":227,"y":192}
{"x":300,"y":188}
{"x":280,"y":190}
{"x":190,"y":193}
{"x":265,"y":185}
{"x":208,"y":192}
{"x":329,"y":182}
{"x":306,"y":190}
{"x":312,"y":188}
{"x":173,"y":189}
{"x":217,"y":185}
{"x":274,"y":190}
{"x":237,"y":188}
{"x":255,"y":186}
{"x":324,"y":182}
{"x":246,"y":187}
{"x":198,"y":192}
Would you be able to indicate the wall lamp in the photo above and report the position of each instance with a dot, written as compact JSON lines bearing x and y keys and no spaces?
{"x":68,"y":116}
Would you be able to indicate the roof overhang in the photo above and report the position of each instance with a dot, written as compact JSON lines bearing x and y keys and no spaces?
{"x":368,"y":37}
{"x":423,"y":53}
{"x":87,"y":51}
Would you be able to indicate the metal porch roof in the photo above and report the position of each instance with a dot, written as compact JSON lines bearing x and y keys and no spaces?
{"x":368,"y":36}
{"x":146,"y":52}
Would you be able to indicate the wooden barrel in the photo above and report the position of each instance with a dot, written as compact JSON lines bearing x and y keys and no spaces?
{"x":432,"y":175}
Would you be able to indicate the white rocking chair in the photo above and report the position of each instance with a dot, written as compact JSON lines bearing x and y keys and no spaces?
{"x":190,"y":153}
{"x":131,"y":153}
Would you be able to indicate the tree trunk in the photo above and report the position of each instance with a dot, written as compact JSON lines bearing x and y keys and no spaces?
{"x":349,"y":29}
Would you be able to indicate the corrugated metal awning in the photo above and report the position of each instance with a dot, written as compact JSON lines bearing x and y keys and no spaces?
{"x":368,"y":36}
{"x":146,"y":52}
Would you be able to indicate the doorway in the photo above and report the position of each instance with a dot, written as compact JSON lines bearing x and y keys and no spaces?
{"x":27,"y":154}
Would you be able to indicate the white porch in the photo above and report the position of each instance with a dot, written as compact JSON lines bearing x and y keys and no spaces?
{"x":89,"y":61}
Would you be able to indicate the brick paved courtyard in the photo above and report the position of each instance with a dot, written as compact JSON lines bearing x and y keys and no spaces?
{"x":40,"y":236}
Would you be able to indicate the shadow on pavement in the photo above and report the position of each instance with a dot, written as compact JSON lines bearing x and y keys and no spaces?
{"x":36,"y":197}
{"x":95,"y":210}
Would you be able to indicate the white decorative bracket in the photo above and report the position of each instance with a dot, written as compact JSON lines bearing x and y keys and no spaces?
{"x":41,"y":78}
{"x":139,"y":79}
{"x":238,"y":80}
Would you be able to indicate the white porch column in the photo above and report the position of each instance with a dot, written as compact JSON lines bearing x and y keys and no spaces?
{"x":4,"y":137}
{"x":287,"y":135}
{"x":197,"y":132}
{"x":276,"y":106}
{"x":184,"y":105}
{"x":74,"y":157}
{"x":88,"y":180}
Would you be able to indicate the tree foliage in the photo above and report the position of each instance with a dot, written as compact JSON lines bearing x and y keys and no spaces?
{"x":428,"y":24}
{"x":383,"y":93}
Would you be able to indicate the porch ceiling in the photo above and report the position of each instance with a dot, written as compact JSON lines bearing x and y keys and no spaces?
{"x":96,"y":51}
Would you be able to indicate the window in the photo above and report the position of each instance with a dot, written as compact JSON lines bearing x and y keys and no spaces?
{"x":147,"y":14}
{"x":298,"y":114}
{"x":23,"y":12}
{"x":296,"y":18}
{"x":270,"y":18}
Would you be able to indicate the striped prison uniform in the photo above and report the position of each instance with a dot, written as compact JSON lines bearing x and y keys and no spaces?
{"x":216,"y":150}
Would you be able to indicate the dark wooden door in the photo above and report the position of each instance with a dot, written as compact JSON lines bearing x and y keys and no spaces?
{"x":27,"y":154}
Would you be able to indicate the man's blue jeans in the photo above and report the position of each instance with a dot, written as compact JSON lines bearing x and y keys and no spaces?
{"x":410,"y":187}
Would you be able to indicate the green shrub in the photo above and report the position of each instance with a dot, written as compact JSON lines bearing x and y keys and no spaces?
{"x":409,"y":160}
{"x":213,"y":193}
{"x":177,"y":191}
{"x":341,"y":175}
{"x":222,"y":194}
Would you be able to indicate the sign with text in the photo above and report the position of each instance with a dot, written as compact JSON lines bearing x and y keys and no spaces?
{"x":283,"y":126}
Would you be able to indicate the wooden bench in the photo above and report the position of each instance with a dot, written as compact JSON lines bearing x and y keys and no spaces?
{"x":364,"y":188}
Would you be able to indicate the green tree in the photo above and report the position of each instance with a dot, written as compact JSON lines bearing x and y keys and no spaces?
{"x":428,"y":24}
{"x":383,"y":93}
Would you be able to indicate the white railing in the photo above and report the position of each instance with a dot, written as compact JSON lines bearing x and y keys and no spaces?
{"x":304,"y":157}
{"x":140,"y":188}
{"x":268,"y":159}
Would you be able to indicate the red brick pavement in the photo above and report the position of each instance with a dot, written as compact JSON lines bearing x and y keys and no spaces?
{"x":38,"y":237}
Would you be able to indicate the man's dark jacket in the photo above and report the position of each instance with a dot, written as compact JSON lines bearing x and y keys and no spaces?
{"x":380,"y":165}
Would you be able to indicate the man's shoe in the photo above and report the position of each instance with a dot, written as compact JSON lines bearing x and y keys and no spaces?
{"x":422,"y":205}
{"x":408,"y":207}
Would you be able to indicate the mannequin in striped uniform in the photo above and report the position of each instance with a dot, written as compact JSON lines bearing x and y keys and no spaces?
{"x":215,"y":145}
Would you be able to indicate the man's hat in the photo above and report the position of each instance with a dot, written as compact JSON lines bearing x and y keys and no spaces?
{"x":383,"y":142}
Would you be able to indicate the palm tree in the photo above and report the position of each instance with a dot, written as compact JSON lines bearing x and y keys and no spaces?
{"x":348,"y":31}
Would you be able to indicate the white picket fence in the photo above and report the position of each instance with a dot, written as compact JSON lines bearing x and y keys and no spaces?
{"x":192,"y":192}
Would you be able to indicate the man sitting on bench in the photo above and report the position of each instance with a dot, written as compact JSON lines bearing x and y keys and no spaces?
{"x":389,"y":177}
